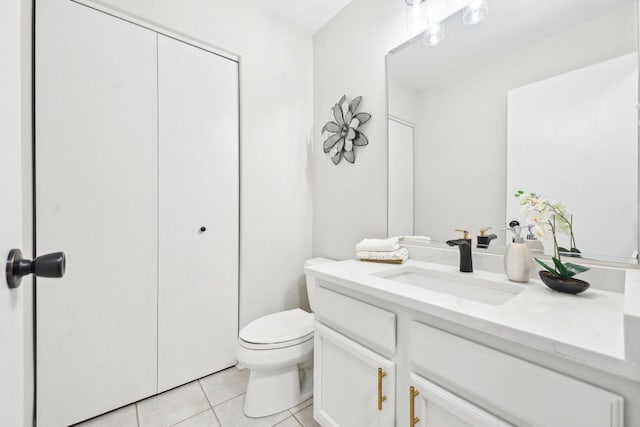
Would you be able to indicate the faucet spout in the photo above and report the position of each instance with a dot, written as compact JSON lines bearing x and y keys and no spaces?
{"x":464,"y":245}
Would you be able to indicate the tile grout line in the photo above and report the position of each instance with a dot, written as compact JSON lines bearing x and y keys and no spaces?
{"x":224,"y":401}
{"x":206,"y":396}
{"x":191,"y":416}
{"x":297,"y":420}
{"x":302,"y":409}
{"x":198,"y":413}
{"x":137,"y":414}
{"x":231,"y":398}
{"x":214,"y":374}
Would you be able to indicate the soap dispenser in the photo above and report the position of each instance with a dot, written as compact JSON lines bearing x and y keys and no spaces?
{"x":483,"y":239}
{"x":517,"y":257}
{"x":535,"y":245}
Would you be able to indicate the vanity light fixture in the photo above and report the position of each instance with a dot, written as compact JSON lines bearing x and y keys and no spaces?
{"x":475,"y":12}
{"x":434,"y":34}
{"x":416,"y":16}
{"x":417,"y":19}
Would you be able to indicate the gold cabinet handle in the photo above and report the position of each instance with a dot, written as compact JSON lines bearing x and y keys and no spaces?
{"x":381,"y":397}
{"x":413,"y":420}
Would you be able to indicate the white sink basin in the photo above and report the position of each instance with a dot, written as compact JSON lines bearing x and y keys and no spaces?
{"x":463,"y":285}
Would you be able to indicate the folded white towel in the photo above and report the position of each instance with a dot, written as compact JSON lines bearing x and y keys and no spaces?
{"x":401,"y":254}
{"x":378,"y":245}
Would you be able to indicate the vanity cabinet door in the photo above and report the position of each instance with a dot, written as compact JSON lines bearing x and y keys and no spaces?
{"x":433,"y":406}
{"x":353,"y":386}
{"x":535,"y":395}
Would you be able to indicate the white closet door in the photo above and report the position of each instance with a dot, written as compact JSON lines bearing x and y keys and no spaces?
{"x":198,"y":274}
{"x":96,"y":200}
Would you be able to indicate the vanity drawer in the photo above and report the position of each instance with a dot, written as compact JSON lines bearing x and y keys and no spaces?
{"x":365,"y":323}
{"x":537,"y":396}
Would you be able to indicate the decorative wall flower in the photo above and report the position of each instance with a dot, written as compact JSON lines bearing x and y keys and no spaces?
{"x":342,"y":133}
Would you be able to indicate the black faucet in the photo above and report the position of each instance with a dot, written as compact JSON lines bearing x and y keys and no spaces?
{"x":464,"y":245}
{"x":485,"y":239}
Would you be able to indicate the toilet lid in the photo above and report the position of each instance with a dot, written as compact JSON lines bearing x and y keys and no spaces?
{"x":278,"y":327}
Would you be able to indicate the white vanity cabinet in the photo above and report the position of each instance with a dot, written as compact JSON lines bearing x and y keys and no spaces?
{"x":434,"y":378}
{"x":433,"y":406}
{"x":353,"y":386}
{"x":354,"y":382}
{"x":528,"y":393}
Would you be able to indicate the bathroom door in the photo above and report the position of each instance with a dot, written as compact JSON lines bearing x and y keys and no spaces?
{"x":96,"y":199}
{"x":198,"y":212}
{"x":11,"y":300}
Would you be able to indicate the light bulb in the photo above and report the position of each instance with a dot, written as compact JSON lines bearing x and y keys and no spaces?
{"x":434,"y":34}
{"x":416,"y":18}
{"x":475,"y":12}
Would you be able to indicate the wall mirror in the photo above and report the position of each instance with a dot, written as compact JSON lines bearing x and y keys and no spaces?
{"x":541,"y":97}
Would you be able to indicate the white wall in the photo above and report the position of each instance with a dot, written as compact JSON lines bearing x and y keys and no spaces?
{"x":350,"y":200}
{"x":276,"y":98}
{"x":462,"y":136}
{"x":12,"y":363}
{"x":404,"y":102}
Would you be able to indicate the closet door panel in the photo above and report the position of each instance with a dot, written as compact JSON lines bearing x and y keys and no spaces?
{"x":198,"y":212}
{"x":96,"y":200}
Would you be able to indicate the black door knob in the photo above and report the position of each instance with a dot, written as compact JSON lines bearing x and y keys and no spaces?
{"x":49,"y":265}
{"x":203,"y":228}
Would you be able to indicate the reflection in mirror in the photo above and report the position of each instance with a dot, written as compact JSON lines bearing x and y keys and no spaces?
{"x":540,"y":97}
{"x":400,"y":154}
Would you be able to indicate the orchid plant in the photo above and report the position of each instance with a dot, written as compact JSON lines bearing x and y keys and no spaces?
{"x":546,"y":215}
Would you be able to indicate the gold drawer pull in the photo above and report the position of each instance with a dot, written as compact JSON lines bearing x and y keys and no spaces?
{"x":413,"y":420}
{"x":381,"y":397}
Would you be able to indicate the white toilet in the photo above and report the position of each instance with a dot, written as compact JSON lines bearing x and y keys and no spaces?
{"x":278,"y":349}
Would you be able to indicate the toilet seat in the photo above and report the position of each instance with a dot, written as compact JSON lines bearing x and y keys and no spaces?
{"x":273,"y":346}
{"x":278,"y":330}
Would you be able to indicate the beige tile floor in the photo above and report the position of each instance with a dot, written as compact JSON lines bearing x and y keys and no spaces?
{"x":213,"y":401}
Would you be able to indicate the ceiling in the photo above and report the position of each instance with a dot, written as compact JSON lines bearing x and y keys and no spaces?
{"x":511,"y":25}
{"x":309,"y":15}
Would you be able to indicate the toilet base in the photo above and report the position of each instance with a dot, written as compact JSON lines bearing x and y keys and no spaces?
{"x":272,"y":391}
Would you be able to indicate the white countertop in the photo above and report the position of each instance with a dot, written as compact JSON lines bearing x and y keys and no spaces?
{"x":587,"y":328}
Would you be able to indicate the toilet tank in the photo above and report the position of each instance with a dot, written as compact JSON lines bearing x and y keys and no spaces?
{"x":311,"y":281}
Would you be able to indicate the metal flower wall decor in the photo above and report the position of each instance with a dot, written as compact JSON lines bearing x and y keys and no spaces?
{"x":342,"y":133}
